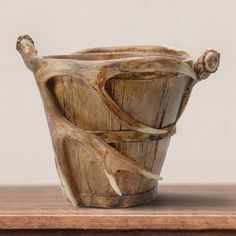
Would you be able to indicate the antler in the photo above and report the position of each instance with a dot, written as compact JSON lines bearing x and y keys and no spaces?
{"x":25,"y":46}
{"x":207,"y":63}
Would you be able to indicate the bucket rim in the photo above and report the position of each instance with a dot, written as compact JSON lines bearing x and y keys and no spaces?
{"x":121,"y":52}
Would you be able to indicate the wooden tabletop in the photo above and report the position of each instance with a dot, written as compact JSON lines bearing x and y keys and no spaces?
{"x":177,"y":207}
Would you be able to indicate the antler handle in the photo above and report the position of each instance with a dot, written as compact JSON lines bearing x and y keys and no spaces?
{"x":207,"y":63}
{"x":25,"y":46}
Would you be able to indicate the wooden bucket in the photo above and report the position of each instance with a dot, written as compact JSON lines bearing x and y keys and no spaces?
{"x":111,"y":114}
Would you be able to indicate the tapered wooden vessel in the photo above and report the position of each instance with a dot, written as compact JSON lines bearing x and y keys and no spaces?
{"x":111,"y":114}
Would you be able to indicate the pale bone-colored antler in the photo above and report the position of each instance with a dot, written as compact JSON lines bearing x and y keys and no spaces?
{"x":110,"y":158}
{"x":61,"y":128}
{"x":153,"y":64}
{"x":206,"y":64}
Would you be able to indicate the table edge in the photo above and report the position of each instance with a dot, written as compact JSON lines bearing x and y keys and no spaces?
{"x":121,"y":222}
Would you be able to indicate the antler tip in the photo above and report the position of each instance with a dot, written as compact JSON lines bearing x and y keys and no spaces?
{"x":207,"y":63}
{"x":25,"y":44}
{"x":211,"y":60}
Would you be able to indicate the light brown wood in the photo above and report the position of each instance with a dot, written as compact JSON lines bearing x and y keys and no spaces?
{"x":181,"y":207}
{"x":111,"y":114}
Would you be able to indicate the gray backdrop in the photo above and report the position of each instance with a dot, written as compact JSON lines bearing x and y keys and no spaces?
{"x":203,"y":150}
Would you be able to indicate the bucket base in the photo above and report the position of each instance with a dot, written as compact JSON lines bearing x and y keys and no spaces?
{"x":119,"y":201}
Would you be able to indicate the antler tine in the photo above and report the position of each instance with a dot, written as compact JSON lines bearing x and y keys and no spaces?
{"x":25,"y":46}
{"x":207,"y":63}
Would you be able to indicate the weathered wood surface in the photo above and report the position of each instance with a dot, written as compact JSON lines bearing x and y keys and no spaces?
{"x":205,"y":208}
{"x":111,"y":113}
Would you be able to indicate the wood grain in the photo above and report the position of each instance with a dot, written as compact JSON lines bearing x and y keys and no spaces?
{"x":180,"y":207}
{"x":111,"y":114}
